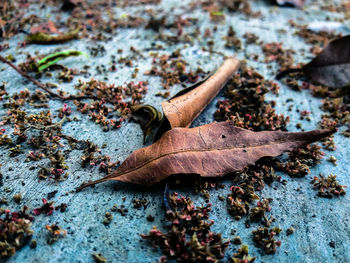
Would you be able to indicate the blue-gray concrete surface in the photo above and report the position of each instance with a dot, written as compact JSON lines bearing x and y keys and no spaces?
{"x":317,"y":221}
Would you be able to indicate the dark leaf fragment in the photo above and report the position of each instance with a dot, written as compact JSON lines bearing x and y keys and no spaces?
{"x":331,"y":67}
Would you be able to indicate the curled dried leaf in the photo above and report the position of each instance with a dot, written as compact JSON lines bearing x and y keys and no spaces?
{"x":185,"y":106}
{"x":182,"y":110}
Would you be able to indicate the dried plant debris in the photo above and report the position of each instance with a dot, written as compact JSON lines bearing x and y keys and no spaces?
{"x":43,"y":137}
{"x":300,"y":160}
{"x":245,"y":102}
{"x":15,"y":231}
{"x":203,"y":186}
{"x":107,"y":218}
{"x":238,"y":201}
{"x":47,"y":208}
{"x":328,"y":186}
{"x":258,"y":213}
{"x":172,"y":69}
{"x":290,"y":231}
{"x":242,"y":256}
{"x":237,"y":240}
{"x":92,"y":157}
{"x":37,"y":131}
{"x":17,"y":198}
{"x":274,"y":52}
{"x":250,"y":38}
{"x":232,"y":41}
{"x":48,"y":27}
{"x":120,"y":209}
{"x":138,"y":203}
{"x":110,"y":101}
{"x":245,"y":190}
{"x":189,"y":237}
{"x":264,"y":238}
{"x":62,"y":207}
{"x":55,"y":233}
{"x":253,"y":179}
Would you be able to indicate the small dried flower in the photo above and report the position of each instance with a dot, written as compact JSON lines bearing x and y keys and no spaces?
{"x":328,"y":187}
{"x":264,"y":238}
{"x":55,"y":233}
{"x":242,"y":256}
{"x":47,"y":208}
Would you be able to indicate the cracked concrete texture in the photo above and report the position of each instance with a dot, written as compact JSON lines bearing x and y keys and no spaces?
{"x":317,"y":221}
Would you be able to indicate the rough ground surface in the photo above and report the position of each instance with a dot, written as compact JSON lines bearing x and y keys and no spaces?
{"x":317,"y":221}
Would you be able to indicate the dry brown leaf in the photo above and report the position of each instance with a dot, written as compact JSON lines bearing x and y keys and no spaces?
{"x":331,"y":67}
{"x":212,"y":150}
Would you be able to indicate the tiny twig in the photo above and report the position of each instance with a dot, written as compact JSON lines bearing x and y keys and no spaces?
{"x":24,"y":74}
{"x":57,"y":124}
{"x":43,"y":86}
{"x":214,"y":52}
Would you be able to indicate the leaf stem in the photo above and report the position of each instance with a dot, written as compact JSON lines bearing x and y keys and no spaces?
{"x":43,"y":86}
